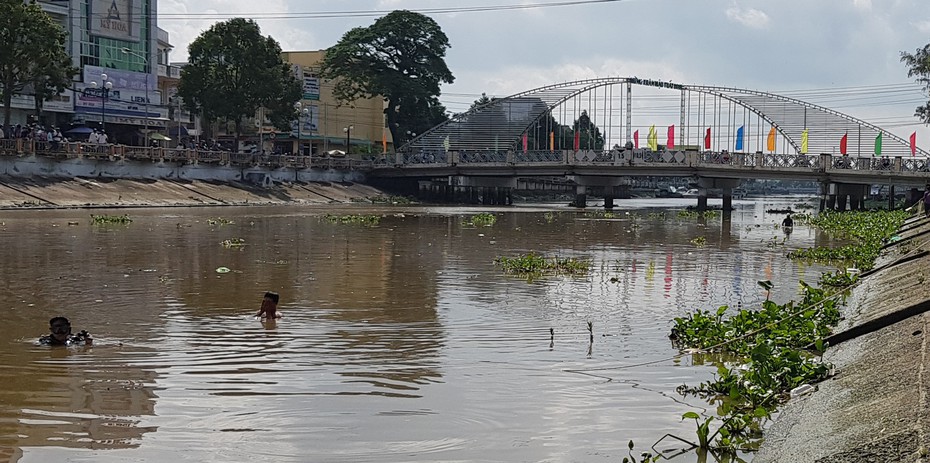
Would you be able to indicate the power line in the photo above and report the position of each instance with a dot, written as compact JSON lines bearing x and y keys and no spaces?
{"x":372,"y":13}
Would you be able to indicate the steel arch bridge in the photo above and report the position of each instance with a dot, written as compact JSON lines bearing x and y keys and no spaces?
{"x":705,"y":118}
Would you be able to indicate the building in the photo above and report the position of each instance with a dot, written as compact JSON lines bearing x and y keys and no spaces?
{"x":325,"y":125}
{"x":117,"y":46}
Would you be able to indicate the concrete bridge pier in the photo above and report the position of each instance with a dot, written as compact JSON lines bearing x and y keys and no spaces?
{"x":613,"y":187}
{"x":481,"y":190}
{"x":725,"y":184}
{"x":844,"y":196}
{"x":581,"y":197}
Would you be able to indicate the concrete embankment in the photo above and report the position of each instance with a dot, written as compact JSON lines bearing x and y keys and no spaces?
{"x":58,"y":192}
{"x":875,"y":408}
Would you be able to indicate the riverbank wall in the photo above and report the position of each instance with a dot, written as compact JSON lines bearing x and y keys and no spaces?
{"x":42,"y":182}
{"x":875,"y":407}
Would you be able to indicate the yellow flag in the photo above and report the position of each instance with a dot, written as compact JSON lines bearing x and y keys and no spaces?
{"x":771,"y":140}
{"x":804,"y":142}
{"x":551,"y":141}
{"x":653,"y":139}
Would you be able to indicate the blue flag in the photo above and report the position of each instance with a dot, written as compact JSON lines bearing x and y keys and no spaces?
{"x":739,"y":138}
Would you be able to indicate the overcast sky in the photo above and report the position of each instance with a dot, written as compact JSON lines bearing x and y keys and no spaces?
{"x":780,"y":46}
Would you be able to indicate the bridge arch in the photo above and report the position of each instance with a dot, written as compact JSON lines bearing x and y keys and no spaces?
{"x":501,"y":125}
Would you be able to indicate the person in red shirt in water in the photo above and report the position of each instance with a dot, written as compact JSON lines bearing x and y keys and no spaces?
{"x":269,"y":308}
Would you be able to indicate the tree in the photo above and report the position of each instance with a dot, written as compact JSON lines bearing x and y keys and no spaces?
{"x":32,"y":51}
{"x":919,"y":65}
{"x":589,"y":136}
{"x":400,"y":58}
{"x":233,"y":71}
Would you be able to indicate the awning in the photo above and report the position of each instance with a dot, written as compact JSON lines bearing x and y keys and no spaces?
{"x":82,"y":130}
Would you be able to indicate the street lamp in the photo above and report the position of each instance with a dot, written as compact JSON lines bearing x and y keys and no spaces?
{"x":106,"y":86}
{"x":348,"y":131}
{"x":301,"y":111}
{"x":146,"y":62}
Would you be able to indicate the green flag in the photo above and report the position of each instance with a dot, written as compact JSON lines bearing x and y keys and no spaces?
{"x":878,"y":144}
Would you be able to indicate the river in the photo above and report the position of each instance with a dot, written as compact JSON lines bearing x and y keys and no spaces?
{"x":398,"y":342}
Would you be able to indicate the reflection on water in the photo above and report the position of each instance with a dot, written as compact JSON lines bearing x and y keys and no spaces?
{"x":397,"y":342}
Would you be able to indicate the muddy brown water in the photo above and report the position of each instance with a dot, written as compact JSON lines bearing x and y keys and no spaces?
{"x":399,"y":342}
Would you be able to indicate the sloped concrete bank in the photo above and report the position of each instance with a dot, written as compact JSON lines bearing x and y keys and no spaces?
{"x":39,"y":182}
{"x":875,"y":408}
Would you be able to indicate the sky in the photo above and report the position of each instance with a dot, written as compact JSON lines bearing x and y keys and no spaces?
{"x":803,"y":47}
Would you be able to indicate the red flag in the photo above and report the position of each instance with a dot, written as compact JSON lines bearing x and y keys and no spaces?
{"x":636,"y":139}
{"x":671,"y":137}
{"x":914,"y":144}
{"x":577,"y":145}
{"x":707,"y":139}
{"x":525,"y":141}
{"x":843,"y":144}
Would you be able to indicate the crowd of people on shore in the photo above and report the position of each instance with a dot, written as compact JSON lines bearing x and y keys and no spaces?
{"x":35,"y":132}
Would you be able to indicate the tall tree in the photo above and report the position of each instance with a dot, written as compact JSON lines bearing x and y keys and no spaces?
{"x":919,"y":65}
{"x":233,"y":71}
{"x":400,"y":57}
{"x":32,"y":50}
{"x":589,"y":135}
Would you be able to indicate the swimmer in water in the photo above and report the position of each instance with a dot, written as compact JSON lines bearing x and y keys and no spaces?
{"x":269,"y":308}
{"x":61,"y":335}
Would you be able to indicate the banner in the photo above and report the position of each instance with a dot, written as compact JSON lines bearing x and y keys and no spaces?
{"x":577,"y":144}
{"x":551,"y":141}
{"x":878,"y":144}
{"x":309,"y":82}
{"x":914,"y":144}
{"x":739,"y":138}
{"x":770,"y":141}
{"x":653,"y":139}
{"x":843,"y":142}
{"x":671,"y":137}
{"x":804,"y":142}
{"x":383,"y":141}
{"x":636,"y":139}
{"x":707,"y":139}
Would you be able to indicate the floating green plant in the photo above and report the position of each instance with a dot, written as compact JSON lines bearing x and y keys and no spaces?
{"x":868,"y":231}
{"x":699,"y":241}
{"x":110,"y":219}
{"x":484,"y":219}
{"x":689,"y":214}
{"x":233,"y":243}
{"x":219,"y":221}
{"x":532,"y":265}
{"x":354,"y":219}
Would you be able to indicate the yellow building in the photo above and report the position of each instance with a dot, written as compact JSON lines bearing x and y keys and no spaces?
{"x":326,"y":126}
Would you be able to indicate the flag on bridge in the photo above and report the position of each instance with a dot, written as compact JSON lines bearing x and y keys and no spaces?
{"x":914,"y":144}
{"x":671,"y":137}
{"x":843,"y":142}
{"x":804,"y":142}
{"x":636,"y":139}
{"x":739,"y":138}
{"x":577,"y":144}
{"x":653,"y":139}
{"x":445,"y":144}
{"x":526,"y":141}
{"x":383,"y":141}
{"x":707,"y":139}
{"x":770,"y":141}
{"x":878,"y":144}
{"x":552,"y":141}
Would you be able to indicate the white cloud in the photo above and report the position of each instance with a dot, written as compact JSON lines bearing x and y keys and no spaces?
{"x":752,"y":18}
{"x":865,"y":5}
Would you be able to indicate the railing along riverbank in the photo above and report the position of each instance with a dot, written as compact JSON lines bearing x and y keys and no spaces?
{"x":78,"y":150}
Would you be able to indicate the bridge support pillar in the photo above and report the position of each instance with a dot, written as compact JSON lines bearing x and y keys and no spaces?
{"x":702,"y":200}
{"x":608,"y":202}
{"x":891,"y":200}
{"x":841,"y":202}
{"x":581,"y":196}
{"x":856,"y":202}
{"x":913,"y":195}
{"x":727,"y":200}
